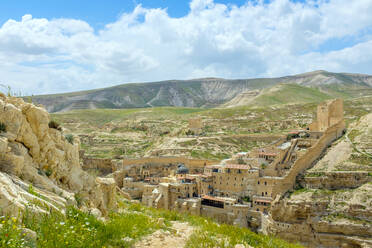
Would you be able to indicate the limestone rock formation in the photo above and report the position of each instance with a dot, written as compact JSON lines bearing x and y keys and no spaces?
{"x":39,"y":167}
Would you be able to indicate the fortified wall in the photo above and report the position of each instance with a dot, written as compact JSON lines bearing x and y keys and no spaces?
{"x":194,"y":165}
{"x":283,"y":184}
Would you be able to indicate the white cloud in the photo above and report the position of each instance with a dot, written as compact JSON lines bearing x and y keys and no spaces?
{"x":253,"y":40}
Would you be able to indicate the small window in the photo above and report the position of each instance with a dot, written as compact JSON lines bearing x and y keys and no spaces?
{"x":265,"y":183}
{"x":258,"y":182}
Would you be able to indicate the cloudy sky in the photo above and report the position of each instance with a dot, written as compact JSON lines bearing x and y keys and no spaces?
{"x":68,"y":46}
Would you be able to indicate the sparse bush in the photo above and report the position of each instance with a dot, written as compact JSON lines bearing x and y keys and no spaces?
{"x":2,"y":127}
{"x":55,"y":125}
{"x":241,"y":161}
{"x":189,"y":132}
{"x":48,"y":172}
{"x":70,"y":138}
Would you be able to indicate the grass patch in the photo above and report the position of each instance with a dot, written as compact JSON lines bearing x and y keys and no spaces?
{"x":77,"y":229}
{"x":209,"y":155}
{"x":300,"y":191}
{"x":314,"y":174}
{"x":212,"y":234}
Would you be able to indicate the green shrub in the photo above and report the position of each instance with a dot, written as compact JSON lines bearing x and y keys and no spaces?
{"x":48,"y":172}
{"x":55,"y":125}
{"x":70,"y":138}
{"x":2,"y":127}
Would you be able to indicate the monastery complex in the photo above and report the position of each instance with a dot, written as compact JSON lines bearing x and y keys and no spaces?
{"x":239,"y":190}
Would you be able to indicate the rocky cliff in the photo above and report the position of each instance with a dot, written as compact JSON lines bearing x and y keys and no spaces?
{"x":332,"y":206}
{"x":39,"y":167}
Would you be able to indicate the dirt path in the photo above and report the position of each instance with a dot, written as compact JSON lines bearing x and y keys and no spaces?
{"x":176,"y":238}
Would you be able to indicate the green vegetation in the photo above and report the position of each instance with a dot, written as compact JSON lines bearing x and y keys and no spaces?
{"x":211,"y":234}
{"x":77,"y":229}
{"x":70,"y":138}
{"x":209,"y":155}
{"x":314,"y":174}
{"x":2,"y":127}
{"x":102,"y":116}
{"x":138,"y":132}
{"x":342,"y":216}
{"x":301,"y":190}
{"x":289,"y":93}
{"x":32,"y":191}
{"x":361,"y":159}
{"x":354,"y":133}
{"x":11,"y":236}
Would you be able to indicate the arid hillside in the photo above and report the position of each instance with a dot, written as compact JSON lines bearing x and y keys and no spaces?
{"x":211,"y":92}
{"x":134,"y":133}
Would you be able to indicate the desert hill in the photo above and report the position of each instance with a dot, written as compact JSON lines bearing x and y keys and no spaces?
{"x":208,"y":92}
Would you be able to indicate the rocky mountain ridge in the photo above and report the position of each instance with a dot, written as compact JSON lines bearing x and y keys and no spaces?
{"x":206,"y":92}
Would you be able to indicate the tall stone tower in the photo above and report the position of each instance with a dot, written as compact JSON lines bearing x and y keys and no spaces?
{"x":328,"y":114}
{"x":196,"y":125}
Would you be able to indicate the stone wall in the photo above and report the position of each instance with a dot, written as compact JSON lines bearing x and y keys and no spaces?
{"x":335,"y":180}
{"x":283,"y":184}
{"x":218,"y":214}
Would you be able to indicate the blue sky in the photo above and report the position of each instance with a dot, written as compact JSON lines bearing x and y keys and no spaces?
{"x":58,"y":46}
{"x":96,"y":12}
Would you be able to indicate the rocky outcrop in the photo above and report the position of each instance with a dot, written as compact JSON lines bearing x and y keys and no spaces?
{"x":37,"y":163}
{"x":321,"y":218}
{"x":335,"y":179}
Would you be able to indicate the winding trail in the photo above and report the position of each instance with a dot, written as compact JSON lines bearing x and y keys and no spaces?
{"x":175,"y":238}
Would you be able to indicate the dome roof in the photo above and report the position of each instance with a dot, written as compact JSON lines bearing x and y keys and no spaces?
{"x":182,"y":169}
